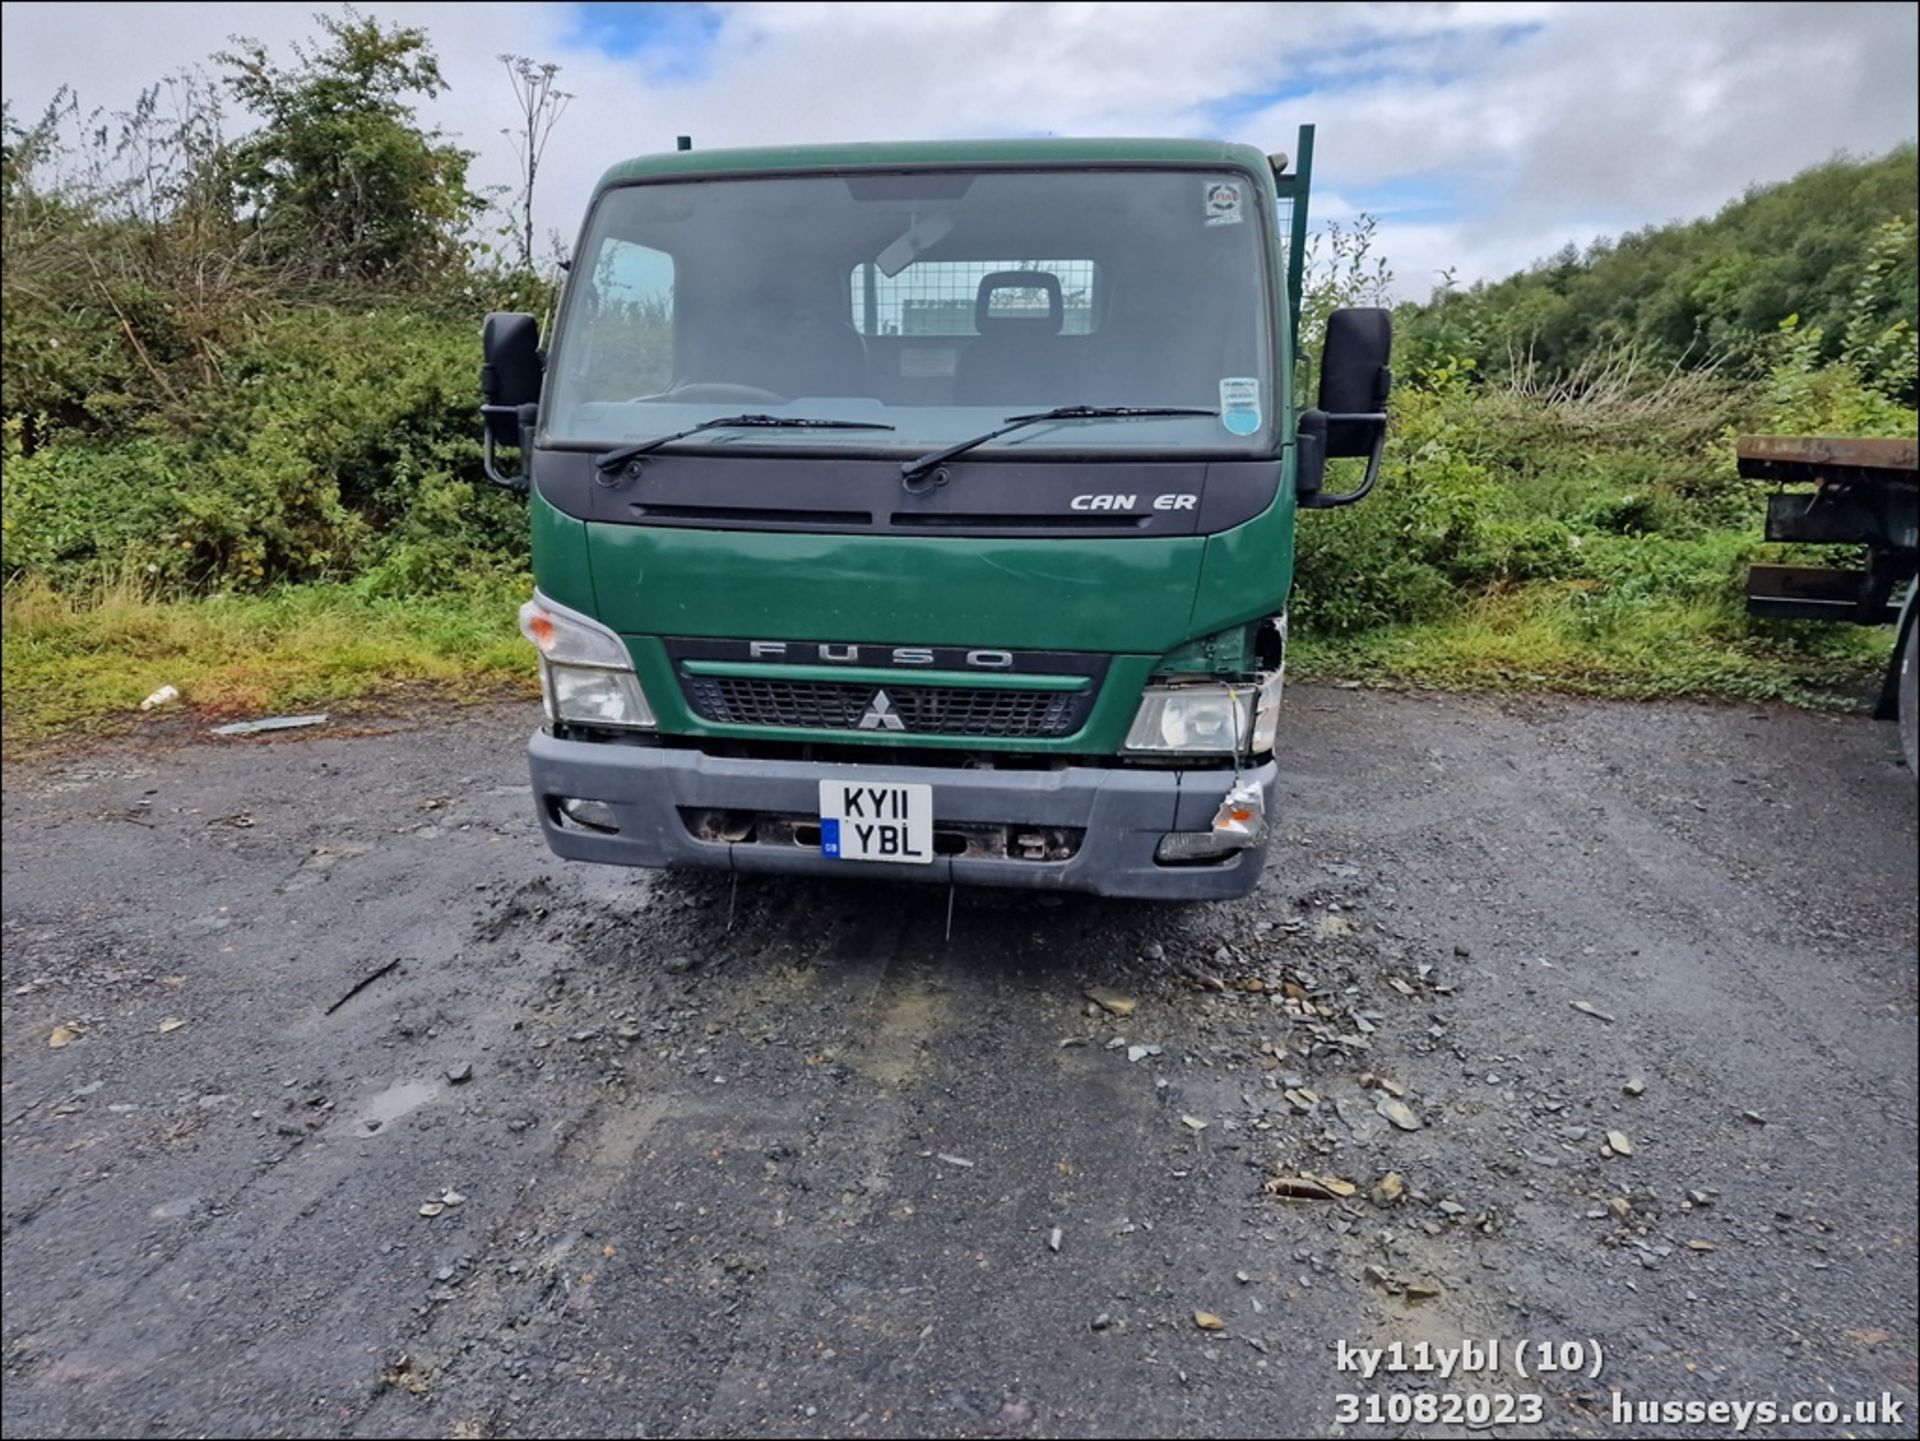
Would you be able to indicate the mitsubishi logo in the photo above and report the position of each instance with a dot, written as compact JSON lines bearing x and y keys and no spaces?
{"x":880,"y":715}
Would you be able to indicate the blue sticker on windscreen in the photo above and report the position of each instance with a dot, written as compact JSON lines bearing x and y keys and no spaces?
{"x":1240,"y":404}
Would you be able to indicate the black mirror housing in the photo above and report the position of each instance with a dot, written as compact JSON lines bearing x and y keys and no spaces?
{"x":510,"y":373}
{"x":1351,"y":419}
{"x":1355,"y":379}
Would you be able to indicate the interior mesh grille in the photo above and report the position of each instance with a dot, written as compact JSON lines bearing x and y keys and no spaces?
{"x":920,"y":709}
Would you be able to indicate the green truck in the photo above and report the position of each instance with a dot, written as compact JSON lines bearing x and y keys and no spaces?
{"x":926,"y":510}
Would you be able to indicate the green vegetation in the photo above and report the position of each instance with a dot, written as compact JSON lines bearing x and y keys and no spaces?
{"x":240,"y":444}
{"x":1559,"y":507}
{"x":252,"y":364}
{"x":1589,"y":536}
{"x":1834,"y":247}
{"x":241,"y":453}
{"x":75,"y":663}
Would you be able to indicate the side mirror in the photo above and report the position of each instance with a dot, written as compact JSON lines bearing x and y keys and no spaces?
{"x":1351,"y":418}
{"x":510,"y":376}
{"x":1354,"y":379}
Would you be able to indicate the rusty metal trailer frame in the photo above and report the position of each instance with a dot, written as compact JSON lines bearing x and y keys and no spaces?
{"x":1864,"y":493}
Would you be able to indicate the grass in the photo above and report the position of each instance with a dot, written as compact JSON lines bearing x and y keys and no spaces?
{"x":1549,"y":637}
{"x":82,"y":665}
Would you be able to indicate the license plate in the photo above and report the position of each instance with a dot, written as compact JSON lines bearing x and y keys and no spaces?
{"x":860,"y":821}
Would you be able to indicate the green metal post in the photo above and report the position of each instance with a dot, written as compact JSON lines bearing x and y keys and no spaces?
{"x":1297,"y":244}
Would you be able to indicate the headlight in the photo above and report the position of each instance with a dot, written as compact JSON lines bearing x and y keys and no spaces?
{"x":1207,"y":719}
{"x":586,"y":674}
{"x":1198,"y":719}
{"x":595,"y":697}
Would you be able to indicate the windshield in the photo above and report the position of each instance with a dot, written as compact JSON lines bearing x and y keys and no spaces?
{"x":936,"y":302}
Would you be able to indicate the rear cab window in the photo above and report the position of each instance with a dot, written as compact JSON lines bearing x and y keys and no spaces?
{"x":926,"y":313}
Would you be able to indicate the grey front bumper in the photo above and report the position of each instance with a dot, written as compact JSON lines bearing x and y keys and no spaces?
{"x":1124,"y":813}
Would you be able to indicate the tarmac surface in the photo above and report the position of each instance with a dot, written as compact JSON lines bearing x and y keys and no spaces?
{"x":591,"y":1160}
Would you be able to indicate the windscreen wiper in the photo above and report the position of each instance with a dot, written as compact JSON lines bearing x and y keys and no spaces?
{"x":913,"y":469}
{"x":613,"y":460}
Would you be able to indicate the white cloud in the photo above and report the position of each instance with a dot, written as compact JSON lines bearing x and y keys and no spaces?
{"x":1546,"y":122}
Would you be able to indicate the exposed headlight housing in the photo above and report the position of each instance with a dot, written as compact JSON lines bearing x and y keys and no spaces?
{"x":1266,"y":712}
{"x":586,"y":674}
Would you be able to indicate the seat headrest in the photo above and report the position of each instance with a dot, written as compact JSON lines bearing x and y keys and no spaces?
{"x":1047,"y":322}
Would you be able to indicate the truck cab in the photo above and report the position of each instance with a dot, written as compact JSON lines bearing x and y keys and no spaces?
{"x":925,"y":510}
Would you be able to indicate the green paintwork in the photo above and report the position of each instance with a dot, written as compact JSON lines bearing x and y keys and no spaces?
{"x":1147,"y":604}
{"x":1136,"y":600}
{"x":874,"y":675}
{"x":1248,"y":571}
{"x":1114,"y":596}
{"x":1297,"y":186}
{"x":560,"y":564}
{"x":935,"y":154}
{"x":1104,"y":731}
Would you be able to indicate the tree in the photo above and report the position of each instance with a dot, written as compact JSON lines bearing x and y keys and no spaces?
{"x":1834,"y":245}
{"x":1341,"y":268}
{"x":541,"y":107}
{"x":341,"y":181}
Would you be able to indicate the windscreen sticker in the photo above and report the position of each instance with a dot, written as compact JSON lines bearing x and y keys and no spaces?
{"x":1223,"y":203}
{"x":1240,"y":404}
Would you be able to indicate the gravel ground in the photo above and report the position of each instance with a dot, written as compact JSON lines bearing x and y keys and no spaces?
{"x":333,"y":1104}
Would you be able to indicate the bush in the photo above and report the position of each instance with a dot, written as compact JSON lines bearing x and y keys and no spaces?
{"x":1635,"y":513}
{"x":1388,"y":558}
{"x":1613,"y":493}
{"x":84,"y":514}
{"x":338,"y":443}
{"x":1483,"y":490}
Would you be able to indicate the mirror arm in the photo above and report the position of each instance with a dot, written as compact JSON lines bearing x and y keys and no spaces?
{"x":522,"y":479}
{"x":1309,"y":457}
{"x":1323,"y":501}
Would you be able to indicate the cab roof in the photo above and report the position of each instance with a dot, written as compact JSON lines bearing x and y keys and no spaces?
{"x":918,"y":154}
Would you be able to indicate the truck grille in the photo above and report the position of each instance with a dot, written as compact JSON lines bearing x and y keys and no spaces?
{"x":921,"y":709}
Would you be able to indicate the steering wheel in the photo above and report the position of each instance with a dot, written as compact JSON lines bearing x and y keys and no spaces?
{"x":719,"y":392}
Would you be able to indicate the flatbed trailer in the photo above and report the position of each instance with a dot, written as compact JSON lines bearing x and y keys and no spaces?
{"x":1845,"y":491}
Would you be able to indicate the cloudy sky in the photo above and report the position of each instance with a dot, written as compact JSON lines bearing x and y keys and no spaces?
{"x":1482,"y":136}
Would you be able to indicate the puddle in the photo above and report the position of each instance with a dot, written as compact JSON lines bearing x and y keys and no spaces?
{"x":393,"y":1103}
